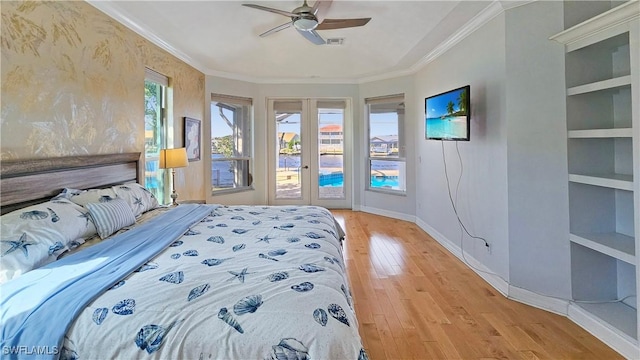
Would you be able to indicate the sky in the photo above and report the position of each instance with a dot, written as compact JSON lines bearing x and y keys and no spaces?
{"x":219,"y":127}
{"x":437,"y":106}
{"x":381,"y":124}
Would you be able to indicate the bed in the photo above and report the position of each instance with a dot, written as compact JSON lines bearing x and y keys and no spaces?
{"x":187,"y":282}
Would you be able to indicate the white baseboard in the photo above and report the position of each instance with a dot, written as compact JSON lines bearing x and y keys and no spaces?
{"x":387,"y":213}
{"x":494,"y":280}
{"x":624,"y":345}
{"x":548,"y":303}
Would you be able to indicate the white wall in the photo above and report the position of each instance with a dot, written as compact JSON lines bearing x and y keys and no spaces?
{"x":514,"y":190}
{"x":537,"y":150}
{"x":397,"y":206}
{"x":482,"y":202}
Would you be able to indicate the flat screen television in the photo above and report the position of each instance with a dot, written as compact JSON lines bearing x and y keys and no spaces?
{"x":448,"y":115}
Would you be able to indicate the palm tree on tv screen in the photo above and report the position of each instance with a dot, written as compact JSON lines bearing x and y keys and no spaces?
{"x":450,"y":106}
{"x":462,"y":101}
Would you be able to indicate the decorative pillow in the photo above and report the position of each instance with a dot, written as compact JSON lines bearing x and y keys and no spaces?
{"x":139,"y":199}
{"x":67,"y":193}
{"x":36,"y":235}
{"x":92,"y":196}
{"x":111,"y":216}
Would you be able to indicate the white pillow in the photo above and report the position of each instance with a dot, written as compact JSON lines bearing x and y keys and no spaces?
{"x":93,"y":196}
{"x":34,"y":236}
{"x":111,"y":216}
{"x":139,"y":199}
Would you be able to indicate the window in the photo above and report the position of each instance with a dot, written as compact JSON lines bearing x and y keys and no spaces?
{"x":231,"y":140}
{"x":386,"y":160}
{"x":155,"y":130}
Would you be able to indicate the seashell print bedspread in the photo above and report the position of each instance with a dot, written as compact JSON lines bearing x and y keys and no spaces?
{"x":245,"y":283}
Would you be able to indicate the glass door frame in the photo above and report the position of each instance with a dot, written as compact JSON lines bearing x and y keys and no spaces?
{"x":310,"y":154}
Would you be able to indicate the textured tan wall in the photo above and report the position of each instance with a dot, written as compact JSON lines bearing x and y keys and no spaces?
{"x":73,"y":83}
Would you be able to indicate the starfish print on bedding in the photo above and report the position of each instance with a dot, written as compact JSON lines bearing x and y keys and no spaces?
{"x":18,"y":244}
{"x":86,"y":216}
{"x":265,"y":239}
{"x":239,"y":275}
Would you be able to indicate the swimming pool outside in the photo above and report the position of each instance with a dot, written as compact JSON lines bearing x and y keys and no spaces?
{"x":384,"y":173}
{"x":337,"y":180}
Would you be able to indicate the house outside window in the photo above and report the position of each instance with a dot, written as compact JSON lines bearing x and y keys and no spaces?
{"x":155,"y":132}
{"x":231,"y":143}
{"x":386,"y":162}
{"x":331,"y":139}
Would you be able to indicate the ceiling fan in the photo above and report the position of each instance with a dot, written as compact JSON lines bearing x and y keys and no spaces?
{"x":307,"y":20}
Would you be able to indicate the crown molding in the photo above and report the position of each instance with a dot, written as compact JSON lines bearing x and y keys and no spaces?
{"x":483,"y":17}
{"x":109,"y":8}
{"x":494,"y":9}
{"x":280,"y":80}
{"x":622,"y":14}
{"x":385,"y":76}
{"x":511,"y":4}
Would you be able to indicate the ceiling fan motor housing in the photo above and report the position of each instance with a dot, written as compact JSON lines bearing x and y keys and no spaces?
{"x":305,"y":22}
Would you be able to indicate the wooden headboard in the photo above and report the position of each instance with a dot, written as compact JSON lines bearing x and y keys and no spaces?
{"x":27,"y":182}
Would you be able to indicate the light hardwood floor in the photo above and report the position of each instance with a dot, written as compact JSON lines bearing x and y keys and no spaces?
{"x":414,"y":300}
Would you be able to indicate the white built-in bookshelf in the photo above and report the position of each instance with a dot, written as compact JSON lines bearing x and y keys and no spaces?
{"x":602,"y":71}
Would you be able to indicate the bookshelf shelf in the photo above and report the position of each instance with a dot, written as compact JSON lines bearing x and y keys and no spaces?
{"x":602,"y":73}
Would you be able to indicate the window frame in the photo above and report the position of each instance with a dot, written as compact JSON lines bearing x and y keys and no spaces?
{"x":163,"y":81}
{"x":401,"y":145}
{"x":232,"y":103}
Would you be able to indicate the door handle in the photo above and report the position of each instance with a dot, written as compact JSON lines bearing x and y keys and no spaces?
{"x":305,"y":167}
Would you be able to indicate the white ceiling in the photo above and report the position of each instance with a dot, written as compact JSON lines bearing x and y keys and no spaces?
{"x":221,"y":37}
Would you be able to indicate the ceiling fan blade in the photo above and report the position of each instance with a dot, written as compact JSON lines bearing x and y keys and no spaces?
{"x":320,"y":9}
{"x":312,"y":36}
{"x":330,"y":24}
{"x":281,"y":12}
{"x":276,"y":29}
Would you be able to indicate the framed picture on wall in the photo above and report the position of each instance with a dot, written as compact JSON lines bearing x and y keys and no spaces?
{"x":192,"y":138}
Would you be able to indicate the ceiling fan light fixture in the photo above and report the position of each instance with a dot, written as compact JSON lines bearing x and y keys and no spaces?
{"x":305,"y":24}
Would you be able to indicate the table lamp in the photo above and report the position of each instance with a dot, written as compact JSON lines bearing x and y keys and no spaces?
{"x":172,"y":159}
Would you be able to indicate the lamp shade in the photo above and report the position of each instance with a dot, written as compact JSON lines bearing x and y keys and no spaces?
{"x":173,"y":158}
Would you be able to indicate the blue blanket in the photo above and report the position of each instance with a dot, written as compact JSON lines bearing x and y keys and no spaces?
{"x":38,"y":307}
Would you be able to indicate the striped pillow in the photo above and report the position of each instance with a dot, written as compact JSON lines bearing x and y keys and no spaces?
{"x":111,"y":216}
